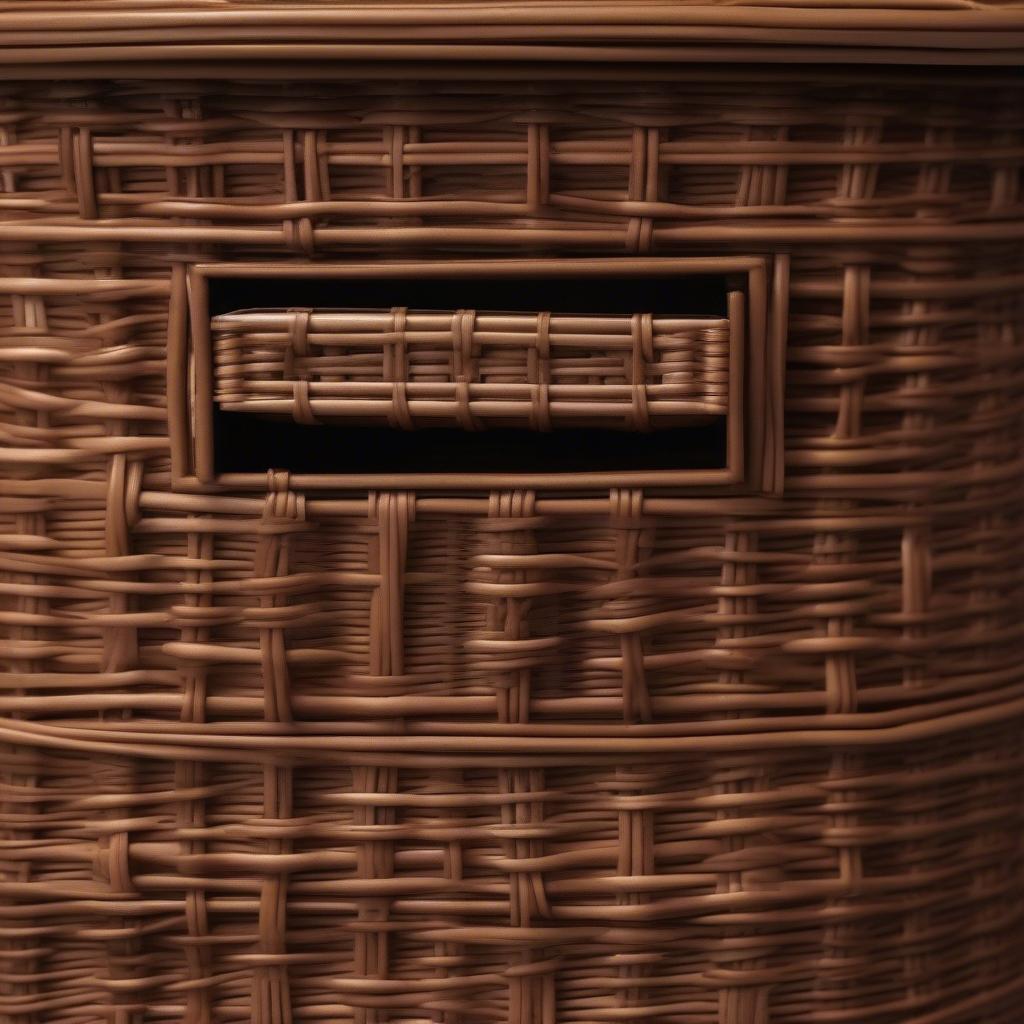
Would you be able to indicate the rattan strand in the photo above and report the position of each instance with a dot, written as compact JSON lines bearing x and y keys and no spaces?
{"x":516,"y":756}
{"x":223,"y":33}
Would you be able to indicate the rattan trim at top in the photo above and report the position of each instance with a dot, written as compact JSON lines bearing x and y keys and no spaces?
{"x":155,"y":37}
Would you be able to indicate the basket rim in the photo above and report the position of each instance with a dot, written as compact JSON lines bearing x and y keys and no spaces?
{"x":215,"y":38}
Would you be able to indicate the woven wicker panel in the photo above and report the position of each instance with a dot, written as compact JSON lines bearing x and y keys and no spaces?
{"x":517,"y":756}
{"x":410,"y":368}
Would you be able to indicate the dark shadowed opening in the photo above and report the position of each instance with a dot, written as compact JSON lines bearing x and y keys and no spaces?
{"x":252,"y":444}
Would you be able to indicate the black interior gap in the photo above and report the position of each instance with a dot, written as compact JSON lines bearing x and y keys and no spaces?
{"x":244,"y":443}
{"x":692,"y":295}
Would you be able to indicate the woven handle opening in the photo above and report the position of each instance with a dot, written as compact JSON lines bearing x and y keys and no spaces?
{"x":545,"y":377}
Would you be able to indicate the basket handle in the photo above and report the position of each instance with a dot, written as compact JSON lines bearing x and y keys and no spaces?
{"x":538,"y":373}
{"x":472,"y":370}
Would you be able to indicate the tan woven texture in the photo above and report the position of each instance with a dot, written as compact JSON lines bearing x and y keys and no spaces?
{"x":538,"y":371}
{"x":517,"y":756}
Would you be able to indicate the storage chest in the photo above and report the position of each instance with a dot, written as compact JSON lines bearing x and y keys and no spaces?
{"x":512,"y":513}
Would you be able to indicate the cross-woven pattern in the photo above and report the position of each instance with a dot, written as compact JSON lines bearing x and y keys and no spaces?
{"x":408,"y":368}
{"x":517,"y":757}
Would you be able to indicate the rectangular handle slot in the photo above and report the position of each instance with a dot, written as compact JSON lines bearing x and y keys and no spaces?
{"x":571,"y":374}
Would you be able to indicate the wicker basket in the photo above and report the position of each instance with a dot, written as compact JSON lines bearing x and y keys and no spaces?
{"x":677,"y":678}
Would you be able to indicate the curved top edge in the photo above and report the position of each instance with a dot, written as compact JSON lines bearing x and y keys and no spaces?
{"x":101,"y":32}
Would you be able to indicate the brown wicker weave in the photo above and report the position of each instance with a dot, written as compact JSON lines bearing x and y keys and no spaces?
{"x":542,"y":748}
{"x":472,"y":369}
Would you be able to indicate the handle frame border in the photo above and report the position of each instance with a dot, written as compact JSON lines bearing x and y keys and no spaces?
{"x":757,"y":306}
